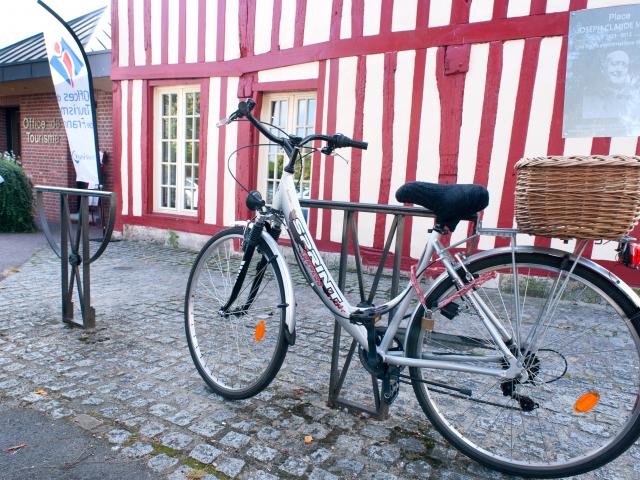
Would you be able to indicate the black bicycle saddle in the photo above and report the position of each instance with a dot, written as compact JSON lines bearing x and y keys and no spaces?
{"x":449,"y":203}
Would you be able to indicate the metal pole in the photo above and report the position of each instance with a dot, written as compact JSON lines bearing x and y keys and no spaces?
{"x":88,"y":315}
{"x":334,"y":388}
{"x":67,"y":304}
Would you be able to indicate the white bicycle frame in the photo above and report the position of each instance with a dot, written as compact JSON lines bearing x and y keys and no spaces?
{"x":312,"y":265}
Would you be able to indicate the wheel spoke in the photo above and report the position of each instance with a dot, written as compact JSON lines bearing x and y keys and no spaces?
{"x":584,"y":344}
{"x":240,"y":351}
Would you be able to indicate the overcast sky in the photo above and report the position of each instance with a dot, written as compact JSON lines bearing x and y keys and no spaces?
{"x":22,"y":18}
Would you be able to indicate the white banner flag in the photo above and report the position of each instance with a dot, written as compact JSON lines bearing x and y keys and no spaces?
{"x":71,"y":78}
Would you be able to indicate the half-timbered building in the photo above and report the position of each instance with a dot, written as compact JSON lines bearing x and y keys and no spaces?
{"x":443,"y":91}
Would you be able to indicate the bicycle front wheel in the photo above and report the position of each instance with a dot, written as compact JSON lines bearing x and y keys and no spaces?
{"x":237,"y":353}
{"x":584,"y":373}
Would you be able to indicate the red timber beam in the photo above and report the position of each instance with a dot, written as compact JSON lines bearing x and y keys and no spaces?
{"x":500,"y":29}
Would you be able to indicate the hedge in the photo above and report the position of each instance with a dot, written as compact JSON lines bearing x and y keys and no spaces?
{"x":16,"y":198}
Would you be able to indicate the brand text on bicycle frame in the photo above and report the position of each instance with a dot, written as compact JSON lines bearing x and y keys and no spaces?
{"x":316,"y":267}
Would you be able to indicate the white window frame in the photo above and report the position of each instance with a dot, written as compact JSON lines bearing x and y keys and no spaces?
{"x":180,"y":91}
{"x":292,"y":98}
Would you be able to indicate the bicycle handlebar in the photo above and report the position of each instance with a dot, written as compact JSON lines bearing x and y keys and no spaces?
{"x":333,"y":141}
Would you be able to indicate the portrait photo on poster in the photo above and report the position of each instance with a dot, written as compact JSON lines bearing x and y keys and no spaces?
{"x":602,"y":87}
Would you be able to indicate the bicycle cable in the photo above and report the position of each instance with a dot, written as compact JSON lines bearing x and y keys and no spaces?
{"x":235,"y":152}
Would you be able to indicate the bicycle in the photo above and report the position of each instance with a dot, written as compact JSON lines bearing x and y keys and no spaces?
{"x":525,"y":359}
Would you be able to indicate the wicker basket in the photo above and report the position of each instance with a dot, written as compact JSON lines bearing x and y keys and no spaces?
{"x":595,"y":197}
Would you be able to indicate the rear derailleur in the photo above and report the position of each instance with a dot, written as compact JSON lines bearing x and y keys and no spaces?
{"x":509,"y":388}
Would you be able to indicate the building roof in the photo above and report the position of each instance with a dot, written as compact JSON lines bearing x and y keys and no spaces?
{"x":93,"y":29}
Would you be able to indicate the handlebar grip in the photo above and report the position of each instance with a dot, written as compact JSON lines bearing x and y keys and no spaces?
{"x":341,"y":141}
{"x":360,"y":145}
{"x":244,"y":108}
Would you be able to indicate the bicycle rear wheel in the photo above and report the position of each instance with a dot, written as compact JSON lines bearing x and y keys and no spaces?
{"x":585,"y":377}
{"x":237,"y":354}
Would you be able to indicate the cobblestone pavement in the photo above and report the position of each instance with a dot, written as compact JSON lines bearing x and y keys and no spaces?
{"x":132,"y":381}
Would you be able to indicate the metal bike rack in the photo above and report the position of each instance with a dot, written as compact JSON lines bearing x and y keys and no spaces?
{"x":79,"y":243}
{"x":350,"y":231}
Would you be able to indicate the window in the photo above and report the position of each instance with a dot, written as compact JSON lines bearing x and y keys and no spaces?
{"x":293,"y":113}
{"x":177,"y":149}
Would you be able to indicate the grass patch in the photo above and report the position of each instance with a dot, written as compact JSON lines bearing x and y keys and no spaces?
{"x":202,"y":469}
{"x":131,"y":440}
{"x":158,"y":448}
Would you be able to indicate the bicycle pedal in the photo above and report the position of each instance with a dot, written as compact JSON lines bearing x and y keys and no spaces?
{"x":390,"y":390}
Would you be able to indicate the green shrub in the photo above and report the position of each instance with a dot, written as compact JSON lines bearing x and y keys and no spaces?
{"x":16,"y":197}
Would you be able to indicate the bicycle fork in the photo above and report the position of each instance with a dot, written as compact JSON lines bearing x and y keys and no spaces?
{"x":250,"y":245}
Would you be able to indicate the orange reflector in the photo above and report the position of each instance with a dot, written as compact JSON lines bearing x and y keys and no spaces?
{"x":260,"y":330}
{"x":586,"y":402}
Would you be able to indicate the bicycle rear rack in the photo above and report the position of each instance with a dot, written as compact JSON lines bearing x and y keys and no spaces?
{"x":380,"y":409}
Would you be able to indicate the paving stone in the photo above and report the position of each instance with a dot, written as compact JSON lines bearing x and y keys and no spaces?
{"x":176,"y":440}
{"x":444,"y":454}
{"x":222,"y":415}
{"x":347,"y":466}
{"x":32,"y":398}
{"x":384,"y":453}
{"x":118,"y":436}
{"x":151,"y":429}
{"x":419,"y":468}
{"x":382,"y":476}
{"x":140,"y":402}
{"x":293,"y":422}
{"x":133,"y":421}
{"x":262,"y":453}
{"x":411,"y":444}
{"x":230,"y":466}
{"x":235,"y":440}
{"x":268,"y":412}
{"x":182,"y":418}
{"x":204,"y":453}
{"x":162,"y":410}
{"x":206,"y":428}
{"x":244,"y":425}
{"x":320,"y":455}
{"x":374,"y":431}
{"x":319,"y":474}
{"x":294,"y":466}
{"x":162,"y":463}
{"x":261,"y":475}
{"x":268,"y":433}
{"x":137,"y":450}
{"x":87,"y":421}
{"x":316,"y":430}
{"x":124,"y":394}
{"x":315,"y":412}
{"x":184,"y":472}
{"x":61,"y":412}
{"x":442,"y":474}
{"x":351,"y":442}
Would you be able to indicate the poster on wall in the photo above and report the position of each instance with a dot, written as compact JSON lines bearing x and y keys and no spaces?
{"x":72,"y":80}
{"x":602,"y":88}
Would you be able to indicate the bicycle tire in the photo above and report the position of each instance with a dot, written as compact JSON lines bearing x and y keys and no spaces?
{"x":214,"y":339}
{"x":492,"y":452}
